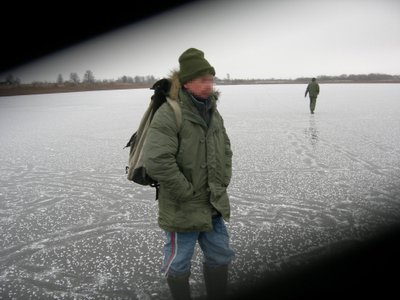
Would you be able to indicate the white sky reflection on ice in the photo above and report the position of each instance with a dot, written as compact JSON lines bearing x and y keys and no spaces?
{"x":245,"y":39}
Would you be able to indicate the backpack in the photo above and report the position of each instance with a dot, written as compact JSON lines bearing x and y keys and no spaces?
{"x":135,"y":170}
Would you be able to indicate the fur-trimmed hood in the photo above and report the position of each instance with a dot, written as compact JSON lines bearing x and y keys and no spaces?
{"x":175,"y":85}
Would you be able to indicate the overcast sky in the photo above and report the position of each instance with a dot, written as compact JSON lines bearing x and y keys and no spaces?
{"x":245,"y":39}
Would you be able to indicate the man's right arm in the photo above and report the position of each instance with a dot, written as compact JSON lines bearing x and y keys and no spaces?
{"x":305,"y":95}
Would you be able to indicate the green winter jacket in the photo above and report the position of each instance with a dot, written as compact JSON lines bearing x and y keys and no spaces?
{"x":193,"y":165}
{"x":312,"y":89}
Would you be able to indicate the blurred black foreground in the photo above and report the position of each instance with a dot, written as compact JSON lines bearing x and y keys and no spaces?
{"x":363,"y":269}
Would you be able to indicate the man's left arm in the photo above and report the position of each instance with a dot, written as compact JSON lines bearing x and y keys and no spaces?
{"x":228,"y":155}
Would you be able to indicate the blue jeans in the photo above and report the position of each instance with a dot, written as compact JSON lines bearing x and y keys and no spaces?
{"x":179,"y":248}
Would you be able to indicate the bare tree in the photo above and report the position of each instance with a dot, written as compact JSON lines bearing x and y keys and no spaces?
{"x":74,"y":77}
{"x":60,"y":79}
{"x":88,"y":77}
{"x":125,"y":79}
{"x":11,"y":79}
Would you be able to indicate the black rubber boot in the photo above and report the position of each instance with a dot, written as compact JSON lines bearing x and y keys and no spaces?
{"x":216,"y":280}
{"x":179,"y":287}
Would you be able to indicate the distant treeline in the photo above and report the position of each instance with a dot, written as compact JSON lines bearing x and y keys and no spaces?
{"x":352,"y":78}
{"x":13,"y":86}
{"x":74,"y":78}
{"x":359,"y":77}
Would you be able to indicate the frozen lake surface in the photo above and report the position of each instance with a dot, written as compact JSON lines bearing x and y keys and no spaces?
{"x":73,"y":227}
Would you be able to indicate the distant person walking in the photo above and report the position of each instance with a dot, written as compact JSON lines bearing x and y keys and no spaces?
{"x":313,"y":92}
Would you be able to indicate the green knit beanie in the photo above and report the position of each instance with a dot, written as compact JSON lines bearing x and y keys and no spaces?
{"x":192,"y":64}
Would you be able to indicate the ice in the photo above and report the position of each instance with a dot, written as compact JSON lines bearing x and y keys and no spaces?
{"x":73,"y":227}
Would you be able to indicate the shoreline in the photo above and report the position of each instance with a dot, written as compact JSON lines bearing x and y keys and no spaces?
{"x":29,"y":89}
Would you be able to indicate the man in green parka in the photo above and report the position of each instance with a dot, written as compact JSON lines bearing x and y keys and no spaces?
{"x":313,"y":92}
{"x":193,"y":165}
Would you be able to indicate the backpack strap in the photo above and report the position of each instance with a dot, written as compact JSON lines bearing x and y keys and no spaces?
{"x":177,"y":110}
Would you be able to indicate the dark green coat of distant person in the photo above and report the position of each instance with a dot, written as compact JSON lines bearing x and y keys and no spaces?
{"x":313,"y":92}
